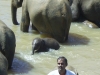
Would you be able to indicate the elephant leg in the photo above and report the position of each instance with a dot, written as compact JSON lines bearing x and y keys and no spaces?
{"x":13,"y":13}
{"x":25,"y":20}
{"x":75,"y":10}
{"x":14,"y":5}
{"x":10,"y":60}
{"x":9,"y":52}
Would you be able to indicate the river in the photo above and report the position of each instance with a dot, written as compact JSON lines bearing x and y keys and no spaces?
{"x":82,"y":49}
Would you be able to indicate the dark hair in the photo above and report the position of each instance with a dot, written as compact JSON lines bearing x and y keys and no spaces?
{"x":62,"y":57}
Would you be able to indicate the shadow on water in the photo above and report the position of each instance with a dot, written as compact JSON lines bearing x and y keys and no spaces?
{"x":20,"y":66}
{"x":76,"y":39}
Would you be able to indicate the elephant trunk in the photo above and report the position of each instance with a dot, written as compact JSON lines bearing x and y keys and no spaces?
{"x":34,"y":50}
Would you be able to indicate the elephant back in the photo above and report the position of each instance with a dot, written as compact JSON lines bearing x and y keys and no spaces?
{"x":51,"y":43}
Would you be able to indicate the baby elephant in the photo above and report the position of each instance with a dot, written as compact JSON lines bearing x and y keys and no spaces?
{"x":44,"y":44}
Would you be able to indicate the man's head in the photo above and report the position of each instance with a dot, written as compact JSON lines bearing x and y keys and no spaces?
{"x":62,"y":63}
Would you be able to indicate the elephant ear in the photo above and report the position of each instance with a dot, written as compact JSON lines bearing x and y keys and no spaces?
{"x":70,"y":2}
{"x":38,"y":43}
{"x":43,"y":43}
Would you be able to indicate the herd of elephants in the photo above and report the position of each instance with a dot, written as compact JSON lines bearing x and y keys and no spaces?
{"x":52,"y":17}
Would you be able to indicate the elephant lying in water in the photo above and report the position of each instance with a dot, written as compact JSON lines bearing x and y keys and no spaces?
{"x":52,"y":17}
{"x":7,"y":43}
{"x":87,"y":9}
{"x":44,"y":44}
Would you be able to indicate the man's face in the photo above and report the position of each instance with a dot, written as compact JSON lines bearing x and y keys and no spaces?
{"x":61,"y":66}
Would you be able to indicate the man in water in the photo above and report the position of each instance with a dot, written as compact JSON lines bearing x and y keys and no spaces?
{"x":62,"y":64}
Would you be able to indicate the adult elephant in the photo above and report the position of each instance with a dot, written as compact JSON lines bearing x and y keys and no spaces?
{"x":48,"y":16}
{"x":88,"y":10}
{"x":44,"y":44}
{"x":3,"y":65}
{"x":7,"y":43}
{"x":14,"y":5}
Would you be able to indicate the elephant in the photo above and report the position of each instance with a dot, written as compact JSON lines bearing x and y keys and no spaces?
{"x":14,"y":5}
{"x":52,"y":17}
{"x":3,"y":65}
{"x":88,"y":10}
{"x":44,"y":44}
{"x":7,"y":43}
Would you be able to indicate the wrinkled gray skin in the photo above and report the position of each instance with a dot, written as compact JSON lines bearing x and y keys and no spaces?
{"x":14,"y":5}
{"x":3,"y":65}
{"x":48,"y":16}
{"x":86,"y":9}
{"x":7,"y":43}
{"x":44,"y":44}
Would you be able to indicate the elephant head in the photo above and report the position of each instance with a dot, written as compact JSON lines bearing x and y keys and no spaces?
{"x":44,"y":44}
{"x":14,"y":5}
{"x":36,"y":45}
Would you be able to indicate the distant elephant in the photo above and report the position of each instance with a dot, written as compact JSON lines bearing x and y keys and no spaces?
{"x":86,"y":9}
{"x":3,"y":65}
{"x":14,"y":5}
{"x":44,"y":44}
{"x":52,"y":17}
{"x":7,"y":43}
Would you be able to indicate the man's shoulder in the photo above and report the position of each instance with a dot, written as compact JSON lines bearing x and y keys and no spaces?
{"x":69,"y":72}
{"x":54,"y":72}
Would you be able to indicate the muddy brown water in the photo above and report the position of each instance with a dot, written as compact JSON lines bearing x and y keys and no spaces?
{"x":82,"y":49}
